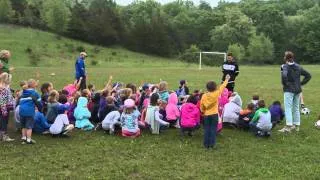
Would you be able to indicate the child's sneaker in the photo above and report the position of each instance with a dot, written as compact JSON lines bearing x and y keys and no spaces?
{"x":30,"y":141}
{"x":267,"y":134}
{"x":6,"y":138}
{"x":286,"y":129}
{"x":296,"y":128}
{"x":68,"y":129}
{"x":99,"y":126}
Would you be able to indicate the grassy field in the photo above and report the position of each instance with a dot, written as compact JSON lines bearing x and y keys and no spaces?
{"x":95,"y":155}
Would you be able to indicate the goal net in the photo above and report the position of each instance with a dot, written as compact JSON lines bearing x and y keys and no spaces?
{"x":211,"y":58}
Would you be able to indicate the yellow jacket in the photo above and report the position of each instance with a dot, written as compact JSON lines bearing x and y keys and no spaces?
{"x":209,"y":101}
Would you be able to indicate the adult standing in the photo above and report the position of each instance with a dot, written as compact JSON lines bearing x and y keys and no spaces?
{"x":81,"y":70}
{"x":5,"y":55}
{"x":291,"y":73}
{"x":230,"y":67}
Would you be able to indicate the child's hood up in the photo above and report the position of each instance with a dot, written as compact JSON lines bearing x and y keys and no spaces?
{"x":82,"y":102}
{"x":173,"y":99}
{"x":236,"y":99}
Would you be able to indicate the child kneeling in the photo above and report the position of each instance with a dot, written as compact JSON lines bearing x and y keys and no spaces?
{"x":190,"y":116}
{"x":261,"y":123}
{"x":61,"y":125}
{"x":110,"y":121}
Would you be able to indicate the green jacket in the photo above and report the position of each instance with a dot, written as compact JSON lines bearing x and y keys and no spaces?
{"x":5,"y":66}
{"x":258,"y":113}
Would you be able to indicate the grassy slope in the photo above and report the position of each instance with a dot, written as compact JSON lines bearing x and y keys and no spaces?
{"x":96,"y":155}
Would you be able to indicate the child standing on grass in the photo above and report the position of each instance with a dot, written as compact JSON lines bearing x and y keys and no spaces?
{"x":129,"y":120}
{"x":261,"y":122}
{"x":6,"y":104}
{"x":28,"y":101}
{"x":82,"y":115}
{"x":209,"y":108}
{"x":153,"y":117}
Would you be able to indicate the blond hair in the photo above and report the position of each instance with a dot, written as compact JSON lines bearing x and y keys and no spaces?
{"x":4,"y":54}
{"x":4,"y":77}
{"x":53,"y":96}
{"x":31,"y":83}
{"x":163,"y":85}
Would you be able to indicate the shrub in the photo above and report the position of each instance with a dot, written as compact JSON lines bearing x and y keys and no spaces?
{"x":94,"y":62}
{"x":191,"y":55}
{"x":237,"y":50}
{"x":34,"y":59}
{"x":260,"y":50}
{"x":29,"y":50}
{"x":80,"y":49}
{"x":114,"y":53}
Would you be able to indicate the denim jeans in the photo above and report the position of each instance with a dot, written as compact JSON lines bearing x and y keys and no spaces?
{"x":3,"y":123}
{"x":292,"y":108}
{"x":210,"y":130}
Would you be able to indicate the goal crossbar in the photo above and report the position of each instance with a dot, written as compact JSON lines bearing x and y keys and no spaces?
{"x":204,"y":52}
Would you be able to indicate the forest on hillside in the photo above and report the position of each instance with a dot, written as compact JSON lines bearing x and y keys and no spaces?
{"x":254,"y":31}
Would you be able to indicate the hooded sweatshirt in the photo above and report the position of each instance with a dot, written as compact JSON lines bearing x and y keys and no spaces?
{"x":172,"y":110}
{"x":28,"y":100}
{"x":209,"y":101}
{"x":232,"y":110}
{"x":82,"y":114}
{"x":263,"y":119}
{"x":40,"y":123}
{"x":80,"y":68}
{"x":223,"y":100}
{"x":190,"y":115}
{"x":290,"y":74}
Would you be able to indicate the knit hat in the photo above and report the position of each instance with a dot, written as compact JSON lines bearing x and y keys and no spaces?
{"x":129,"y":103}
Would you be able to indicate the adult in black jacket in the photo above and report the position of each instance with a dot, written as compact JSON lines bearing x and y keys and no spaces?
{"x":230,"y":67}
{"x":290,"y":74}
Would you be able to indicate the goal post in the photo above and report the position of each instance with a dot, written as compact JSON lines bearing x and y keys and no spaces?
{"x":204,"y":52}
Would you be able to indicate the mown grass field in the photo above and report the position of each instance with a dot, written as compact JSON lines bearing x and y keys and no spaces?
{"x":95,"y":155}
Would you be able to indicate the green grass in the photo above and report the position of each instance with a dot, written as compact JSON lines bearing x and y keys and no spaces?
{"x":95,"y":155}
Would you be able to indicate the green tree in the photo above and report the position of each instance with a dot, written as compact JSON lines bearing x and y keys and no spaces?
{"x":238,"y":28}
{"x":260,"y":50}
{"x":6,"y":11}
{"x":78,"y":22}
{"x":237,"y":51}
{"x":56,"y":15}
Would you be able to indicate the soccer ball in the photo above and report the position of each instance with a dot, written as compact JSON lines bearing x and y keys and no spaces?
{"x":317,"y":124}
{"x":305,"y":111}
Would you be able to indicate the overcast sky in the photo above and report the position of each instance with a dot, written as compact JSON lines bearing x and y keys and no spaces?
{"x":212,"y":2}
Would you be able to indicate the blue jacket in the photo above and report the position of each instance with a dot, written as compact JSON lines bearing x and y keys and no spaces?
{"x":80,"y":68}
{"x":40,"y":123}
{"x":28,"y":100}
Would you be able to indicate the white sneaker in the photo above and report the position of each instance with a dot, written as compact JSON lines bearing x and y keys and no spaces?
{"x":286,"y":129}
{"x":6,"y":138}
{"x":68,"y":129}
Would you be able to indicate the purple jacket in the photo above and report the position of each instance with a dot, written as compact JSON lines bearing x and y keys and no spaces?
{"x":276,"y":111}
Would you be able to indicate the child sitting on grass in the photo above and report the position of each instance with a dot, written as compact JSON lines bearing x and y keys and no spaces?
{"x":52,"y":106}
{"x":172,"y":111}
{"x":163,"y":92}
{"x":277,"y":113}
{"x":110,"y":121}
{"x":254,"y":101}
{"x":73,"y":104}
{"x":153,"y":118}
{"x":129,"y":120}
{"x":231,"y":111}
{"x":41,"y":124}
{"x":261,"y":122}
{"x":183,"y":89}
{"x":190,"y":116}
{"x":61,"y":125}
{"x":82,"y":115}
{"x":45,"y":90}
{"x":28,"y":100}
{"x":245,"y":117}
{"x":209,"y":108}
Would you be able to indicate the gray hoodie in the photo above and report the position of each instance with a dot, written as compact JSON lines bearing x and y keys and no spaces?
{"x":232,"y":110}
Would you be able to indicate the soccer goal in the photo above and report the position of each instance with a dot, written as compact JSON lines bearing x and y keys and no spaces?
{"x":213,"y":53}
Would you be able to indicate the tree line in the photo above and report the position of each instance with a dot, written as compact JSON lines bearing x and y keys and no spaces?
{"x":254,"y":31}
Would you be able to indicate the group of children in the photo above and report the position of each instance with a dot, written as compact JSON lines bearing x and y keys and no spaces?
{"x":128,"y":110}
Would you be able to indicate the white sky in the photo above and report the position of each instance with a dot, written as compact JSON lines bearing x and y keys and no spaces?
{"x":212,"y":2}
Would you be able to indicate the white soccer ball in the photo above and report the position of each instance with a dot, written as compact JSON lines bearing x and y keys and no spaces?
{"x":305,"y":111}
{"x":317,"y":124}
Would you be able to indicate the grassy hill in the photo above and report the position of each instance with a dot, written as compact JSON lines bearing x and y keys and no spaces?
{"x":96,"y":155}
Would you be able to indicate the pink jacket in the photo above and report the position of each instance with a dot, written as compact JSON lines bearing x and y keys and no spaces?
{"x":223,"y":100}
{"x":172,"y":110}
{"x":190,"y":115}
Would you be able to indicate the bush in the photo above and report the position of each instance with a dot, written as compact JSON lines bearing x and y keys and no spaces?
{"x":70,"y":47}
{"x":29,"y":50}
{"x":80,"y":49}
{"x":237,"y":50}
{"x":191,"y":55}
{"x":114,"y":53}
{"x":94,"y":62}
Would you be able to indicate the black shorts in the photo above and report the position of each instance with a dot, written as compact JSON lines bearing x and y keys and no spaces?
{"x":26,"y":122}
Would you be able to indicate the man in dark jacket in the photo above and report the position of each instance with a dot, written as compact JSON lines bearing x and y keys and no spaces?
{"x":230,"y":67}
{"x":291,"y":73}
{"x":81,"y":70}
